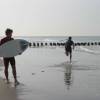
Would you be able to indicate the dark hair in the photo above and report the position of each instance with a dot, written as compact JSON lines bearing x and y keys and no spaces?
{"x":8,"y":31}
{"x":70,"y":37}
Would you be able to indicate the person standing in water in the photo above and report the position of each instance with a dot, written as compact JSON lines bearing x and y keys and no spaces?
{"x":68,"y":47}
{"x":8,"y":60}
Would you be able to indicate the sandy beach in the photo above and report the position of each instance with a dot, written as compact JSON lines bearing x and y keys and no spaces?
{"x":46,"y":74}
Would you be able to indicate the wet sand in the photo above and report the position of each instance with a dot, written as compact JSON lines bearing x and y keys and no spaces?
{"x":46,"y":74}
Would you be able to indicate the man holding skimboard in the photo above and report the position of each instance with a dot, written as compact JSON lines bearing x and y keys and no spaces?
{"x":8,"y":60}
{"x":68,"y":47}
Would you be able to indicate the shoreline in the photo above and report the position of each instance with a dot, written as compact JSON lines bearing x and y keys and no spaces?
{"x":7,"y":92}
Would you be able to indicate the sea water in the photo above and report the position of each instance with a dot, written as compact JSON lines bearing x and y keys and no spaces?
{"x":61,"y":38}
{"x":50,"y":76}
{"x":46,"y":73}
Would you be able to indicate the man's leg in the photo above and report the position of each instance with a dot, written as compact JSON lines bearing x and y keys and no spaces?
{"x":14,"y":73}
{"x":12,"y":62}
{"x":6,"y":64}
{"x":67,"y":53}
{"x":70,"y":56}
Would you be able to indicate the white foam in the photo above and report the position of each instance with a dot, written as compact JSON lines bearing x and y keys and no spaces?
{"x":89,"y":50}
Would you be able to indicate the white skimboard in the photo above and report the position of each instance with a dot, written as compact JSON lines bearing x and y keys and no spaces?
{"x":13,"y":48}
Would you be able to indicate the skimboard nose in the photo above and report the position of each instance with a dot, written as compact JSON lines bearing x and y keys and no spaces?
{"x":24,"y":44}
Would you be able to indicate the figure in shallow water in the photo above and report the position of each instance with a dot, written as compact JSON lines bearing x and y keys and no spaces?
{"x":68,"y":47}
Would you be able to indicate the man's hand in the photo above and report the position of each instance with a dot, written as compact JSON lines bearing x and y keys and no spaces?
{"x":20,"y":53}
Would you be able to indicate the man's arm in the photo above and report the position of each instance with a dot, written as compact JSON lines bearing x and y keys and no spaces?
{"x":1,"y":42}
{"x":73,"y":45}
{"x":65,"y":45}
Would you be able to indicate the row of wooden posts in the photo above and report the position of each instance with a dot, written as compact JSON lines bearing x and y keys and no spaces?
{"x":40,"y":44}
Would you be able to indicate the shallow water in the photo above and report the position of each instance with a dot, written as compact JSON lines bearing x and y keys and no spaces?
{"x":46,"y":74}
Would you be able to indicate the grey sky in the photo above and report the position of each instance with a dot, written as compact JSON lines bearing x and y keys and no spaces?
{"x":50,"y":17}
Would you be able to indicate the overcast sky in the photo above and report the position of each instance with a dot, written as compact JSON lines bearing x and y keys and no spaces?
{"x":50,"y":17}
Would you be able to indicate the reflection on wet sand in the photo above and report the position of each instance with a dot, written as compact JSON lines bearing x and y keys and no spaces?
{"x":68,"y":67}
{"x":7,"y":92}
{"x":68,"y":75}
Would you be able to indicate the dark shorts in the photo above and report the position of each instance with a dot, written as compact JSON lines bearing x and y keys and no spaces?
{"x":68,"y":50}
{"x":10,"y":60}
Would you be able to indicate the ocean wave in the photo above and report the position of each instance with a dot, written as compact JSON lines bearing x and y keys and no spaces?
{"x":88,"y":50}
{"x":48,"y":40}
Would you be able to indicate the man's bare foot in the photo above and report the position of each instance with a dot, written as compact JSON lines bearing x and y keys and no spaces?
{"x":7,"y":81}
{"x":17,"y":83}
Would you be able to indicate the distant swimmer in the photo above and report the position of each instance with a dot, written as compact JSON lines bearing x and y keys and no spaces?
{"x":68,"y":47}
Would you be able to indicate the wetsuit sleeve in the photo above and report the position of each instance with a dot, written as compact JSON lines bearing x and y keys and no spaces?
{"x":5,"y":40}
{"x":1,"y":42}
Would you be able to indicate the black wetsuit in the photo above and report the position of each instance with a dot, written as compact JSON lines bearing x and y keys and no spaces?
{"x":68,"y":45}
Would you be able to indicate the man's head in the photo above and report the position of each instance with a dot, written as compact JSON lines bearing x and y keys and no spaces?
{"x":69,"y":37}
{"x":8,"y":32}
